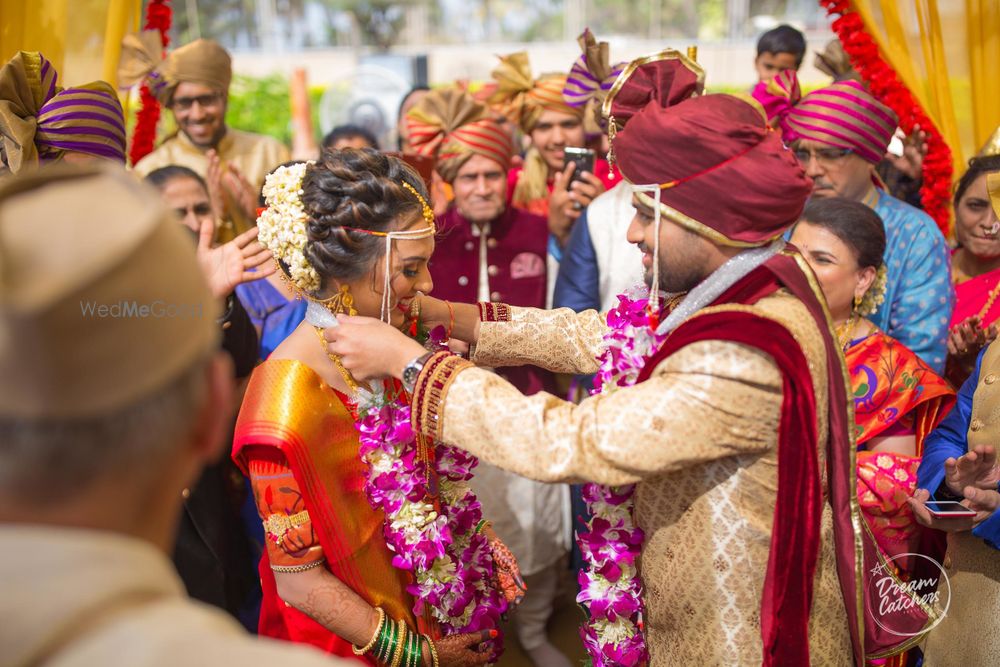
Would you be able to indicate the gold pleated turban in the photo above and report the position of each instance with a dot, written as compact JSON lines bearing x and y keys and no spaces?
{"x":202,"y":61}
{"x":522,"y":98}
{"x":102,"y":302}
{"x":451,"y":126}
{"x":41,"y":121}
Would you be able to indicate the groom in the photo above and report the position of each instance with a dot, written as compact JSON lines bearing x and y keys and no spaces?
{"x":737,"y":432}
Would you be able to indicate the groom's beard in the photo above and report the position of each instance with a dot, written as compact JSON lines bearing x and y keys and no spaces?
{"x":677,"y":273}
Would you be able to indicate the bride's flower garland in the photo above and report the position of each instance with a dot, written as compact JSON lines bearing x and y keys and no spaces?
{"x":609,"y":586}
{"x":450,"y":561}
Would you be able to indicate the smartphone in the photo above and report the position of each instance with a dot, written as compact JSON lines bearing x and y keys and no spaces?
{"x":582,"y":157}
{"x":947,"y":509}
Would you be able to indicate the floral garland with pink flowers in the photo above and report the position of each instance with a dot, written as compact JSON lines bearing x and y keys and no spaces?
{"x":610,"y":587}
{"x":451,"y":562}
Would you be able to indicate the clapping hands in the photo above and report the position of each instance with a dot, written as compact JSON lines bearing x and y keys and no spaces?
{"x":239,"y":261}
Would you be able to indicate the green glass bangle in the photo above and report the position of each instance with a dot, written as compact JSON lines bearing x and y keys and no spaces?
{"x":413,"y":657}
{"x":407,"y":650}
{"x":379,"y":643}
{"x":386,"y":647}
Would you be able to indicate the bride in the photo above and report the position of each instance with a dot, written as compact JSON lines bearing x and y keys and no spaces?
{"x":375,"y":545}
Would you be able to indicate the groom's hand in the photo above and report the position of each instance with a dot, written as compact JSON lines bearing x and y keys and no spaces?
{"x":369,"y":348}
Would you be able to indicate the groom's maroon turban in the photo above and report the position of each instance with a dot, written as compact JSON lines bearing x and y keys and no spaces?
{"x":721,"y":170}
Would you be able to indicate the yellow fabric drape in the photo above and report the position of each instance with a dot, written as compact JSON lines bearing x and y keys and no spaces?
{"x":82,"y":38}
{"x":942,"y":50}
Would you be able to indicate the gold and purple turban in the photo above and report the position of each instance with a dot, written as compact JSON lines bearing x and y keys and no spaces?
{"x":592,"y":74}
{"x":450,"y":125}
{"x":202,"y":61}
{"x":522,"y":98}
{"x":843,"y":115}
{"x":41,"y":121}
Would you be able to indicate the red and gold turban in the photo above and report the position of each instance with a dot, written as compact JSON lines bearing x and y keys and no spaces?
{"x":450,"y":125}
{"x":202,"y":61}
{"x":843,"y":115}
{"x":39,"y":120}
{"x":522,"y":98}
{"x":722,"y":172}
{"x":664,"y":78}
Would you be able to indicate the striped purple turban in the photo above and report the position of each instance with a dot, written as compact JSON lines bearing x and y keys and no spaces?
{"x":88,"y":119}
{"x":592,"y":75}
{"x":843,"y":115}
{"x":39,"y":120}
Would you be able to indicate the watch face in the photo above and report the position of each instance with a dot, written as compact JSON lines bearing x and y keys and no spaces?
{"x":410,"y":375}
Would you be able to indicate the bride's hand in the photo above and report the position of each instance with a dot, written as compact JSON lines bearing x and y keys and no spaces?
{"x":465,"y":650}
{"x":506,"y":570}
{"x":369,"y":348}
{"x":435,"y":313}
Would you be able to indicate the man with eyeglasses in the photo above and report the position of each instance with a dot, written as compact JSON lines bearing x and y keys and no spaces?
{"x":839,"y":134}
{"x":193,"y":82}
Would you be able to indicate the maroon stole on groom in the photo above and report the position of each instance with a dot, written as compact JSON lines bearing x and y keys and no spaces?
{"x":795,"y":535}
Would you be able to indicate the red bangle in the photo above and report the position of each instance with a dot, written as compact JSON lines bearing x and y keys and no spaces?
{"x":451,"y":315}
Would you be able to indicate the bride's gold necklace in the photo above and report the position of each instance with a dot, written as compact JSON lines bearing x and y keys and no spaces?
{"x":341,"y":302}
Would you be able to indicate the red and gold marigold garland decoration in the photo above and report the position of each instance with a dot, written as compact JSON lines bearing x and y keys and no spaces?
{"x":158,"y":17}
{"x":885,"y":84}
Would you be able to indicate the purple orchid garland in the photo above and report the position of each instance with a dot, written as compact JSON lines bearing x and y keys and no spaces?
{"x":450,"y":562}
{"x":610,"y":587}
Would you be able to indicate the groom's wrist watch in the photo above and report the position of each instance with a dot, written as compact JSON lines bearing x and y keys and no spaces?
{"x":412,"y":371}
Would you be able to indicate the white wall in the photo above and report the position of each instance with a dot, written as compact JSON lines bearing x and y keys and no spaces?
{"x":727,"y":64}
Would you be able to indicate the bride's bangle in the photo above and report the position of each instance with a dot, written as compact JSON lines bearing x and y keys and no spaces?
{"x":435,"y":662}
{"x":375,"y":637}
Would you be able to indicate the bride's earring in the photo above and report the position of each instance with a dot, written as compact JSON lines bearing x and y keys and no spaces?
{"x":341,"y":302}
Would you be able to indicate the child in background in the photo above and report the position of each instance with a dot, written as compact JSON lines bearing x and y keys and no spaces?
{"x":779,"y":49}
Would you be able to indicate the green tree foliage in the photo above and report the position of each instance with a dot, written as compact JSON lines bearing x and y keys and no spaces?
{"x":263,"y":106}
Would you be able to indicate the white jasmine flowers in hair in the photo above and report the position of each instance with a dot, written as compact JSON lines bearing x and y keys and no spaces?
{"x":875,"y":296}
{"x":282,"y":225}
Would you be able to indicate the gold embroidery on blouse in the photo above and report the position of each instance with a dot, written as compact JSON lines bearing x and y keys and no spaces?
{"x":278,"y":525}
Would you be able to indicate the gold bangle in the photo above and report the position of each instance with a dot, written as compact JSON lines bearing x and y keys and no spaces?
{"x":298,"y":568}
{"x":434,"y":654}
{"x":397,"y":657}
{"x":378,"y":630}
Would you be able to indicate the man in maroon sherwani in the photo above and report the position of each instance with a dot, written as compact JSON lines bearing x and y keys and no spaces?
{"x":487,"y":251}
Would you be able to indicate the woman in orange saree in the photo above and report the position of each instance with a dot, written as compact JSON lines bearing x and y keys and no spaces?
{"x":898,"y":399}
{"x":353,"y":234}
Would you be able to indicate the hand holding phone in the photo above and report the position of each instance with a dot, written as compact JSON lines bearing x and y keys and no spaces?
{"x":951,"y":518}
{"x":948,"y":509}
{"x":583,"y":158}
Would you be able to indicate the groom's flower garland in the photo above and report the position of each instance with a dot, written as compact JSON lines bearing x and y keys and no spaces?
{"x":450,"y":561}
{"x":609,"y":586}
